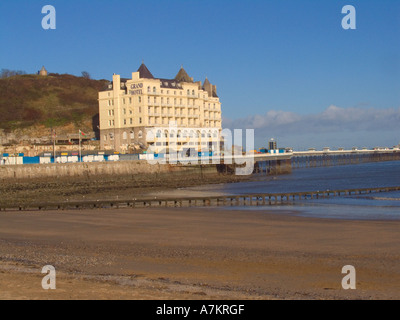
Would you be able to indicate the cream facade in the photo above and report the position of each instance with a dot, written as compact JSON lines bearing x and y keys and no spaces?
{"x":164,"y":114}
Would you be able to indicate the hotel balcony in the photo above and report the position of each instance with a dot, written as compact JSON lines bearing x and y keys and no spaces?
{"x":151,"y":93}
{"x":152,"y":103}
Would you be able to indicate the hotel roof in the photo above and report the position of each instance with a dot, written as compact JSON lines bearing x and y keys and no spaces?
{"x":175,"y":83}
{"x":182,"y":76}
{"x":144,"y":72}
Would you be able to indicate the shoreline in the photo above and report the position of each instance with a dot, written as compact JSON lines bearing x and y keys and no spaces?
{"x":173,"y":253}
{"x":104,"y":188}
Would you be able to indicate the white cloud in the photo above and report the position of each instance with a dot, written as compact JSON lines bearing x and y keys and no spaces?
{"x":332,"y":123}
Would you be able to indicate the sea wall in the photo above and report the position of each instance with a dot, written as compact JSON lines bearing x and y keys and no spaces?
{"x":96,"y":169}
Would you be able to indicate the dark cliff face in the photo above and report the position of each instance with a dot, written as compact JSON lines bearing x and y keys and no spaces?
{"x":28,"y":100}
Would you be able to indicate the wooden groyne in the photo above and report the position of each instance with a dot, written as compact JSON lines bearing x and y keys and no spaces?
{"x":261,"y":199}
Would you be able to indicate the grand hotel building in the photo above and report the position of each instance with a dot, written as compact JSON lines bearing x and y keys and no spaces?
{"x":163,"y":113}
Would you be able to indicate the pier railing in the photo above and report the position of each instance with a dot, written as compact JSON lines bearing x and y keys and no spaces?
{"x":259,"y":199}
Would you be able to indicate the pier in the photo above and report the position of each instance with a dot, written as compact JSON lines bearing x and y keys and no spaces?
{"x":262,"y":199}
{"x":342,"y":157}
{"x":285,"y":162}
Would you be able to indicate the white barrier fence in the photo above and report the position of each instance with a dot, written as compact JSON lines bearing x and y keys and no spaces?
{"x":62,"y":159}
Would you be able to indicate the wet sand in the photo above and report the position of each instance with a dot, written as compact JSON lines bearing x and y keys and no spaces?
{"x":29,"y":191}
{"x":177,"y":253}
{"x":174,"y":253}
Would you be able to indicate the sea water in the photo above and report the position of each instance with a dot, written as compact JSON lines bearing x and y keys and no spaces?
{"x":374,"y":206}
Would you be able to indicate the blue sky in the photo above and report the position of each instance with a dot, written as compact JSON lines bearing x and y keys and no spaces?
{"x":280,"y":66}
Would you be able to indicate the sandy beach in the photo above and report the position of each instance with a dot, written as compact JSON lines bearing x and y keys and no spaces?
{"x":174,"y":253}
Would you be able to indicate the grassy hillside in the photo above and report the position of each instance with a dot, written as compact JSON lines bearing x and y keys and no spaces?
{"x":52,"y":101}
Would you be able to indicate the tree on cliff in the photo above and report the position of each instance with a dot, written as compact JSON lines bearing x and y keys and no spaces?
{"x":86,"y":75}
{"x":5,"y":73}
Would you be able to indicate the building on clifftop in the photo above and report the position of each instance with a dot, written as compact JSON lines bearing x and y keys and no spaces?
{"x":43,"y":72}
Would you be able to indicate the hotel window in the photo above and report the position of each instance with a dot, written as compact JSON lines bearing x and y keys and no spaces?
{"x":113,"y":123}
{"x":140,"y":109}
{"x":162,"y":100}
{"x":105,"y":137}
{"x":167,"y":91}
{"x":124,"y":111}
{"x":148,"y":89}
{"x":154,"y":89}
{"x":109,"y":112}
{"x":140,"y":135}
{"x":112,"y":111}
{"x":148,"y":99}
{"x":124,"y":121}
{"x":188,"y":92}
{"x":109,"y":123}
{"x":174,"y":92}
{"x":123,"y":101}
{"x":130,"y":111}
{"x":167,"y":100}
{"x":130,"y":100}
{"x":140,"y":99}
{"x":174,"y":100}
{"x":131,"y":121}
{"x":109,"y":102}
{"x":181,"y":101}
{"x":193,"y":92}
{"x":132,"y":135}
{"x":162,"y":91}
{"x":140,"y":120}
{"x":124,"y":136}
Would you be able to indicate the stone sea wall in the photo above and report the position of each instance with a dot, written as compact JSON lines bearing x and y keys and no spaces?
{"x":99,"y":169}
